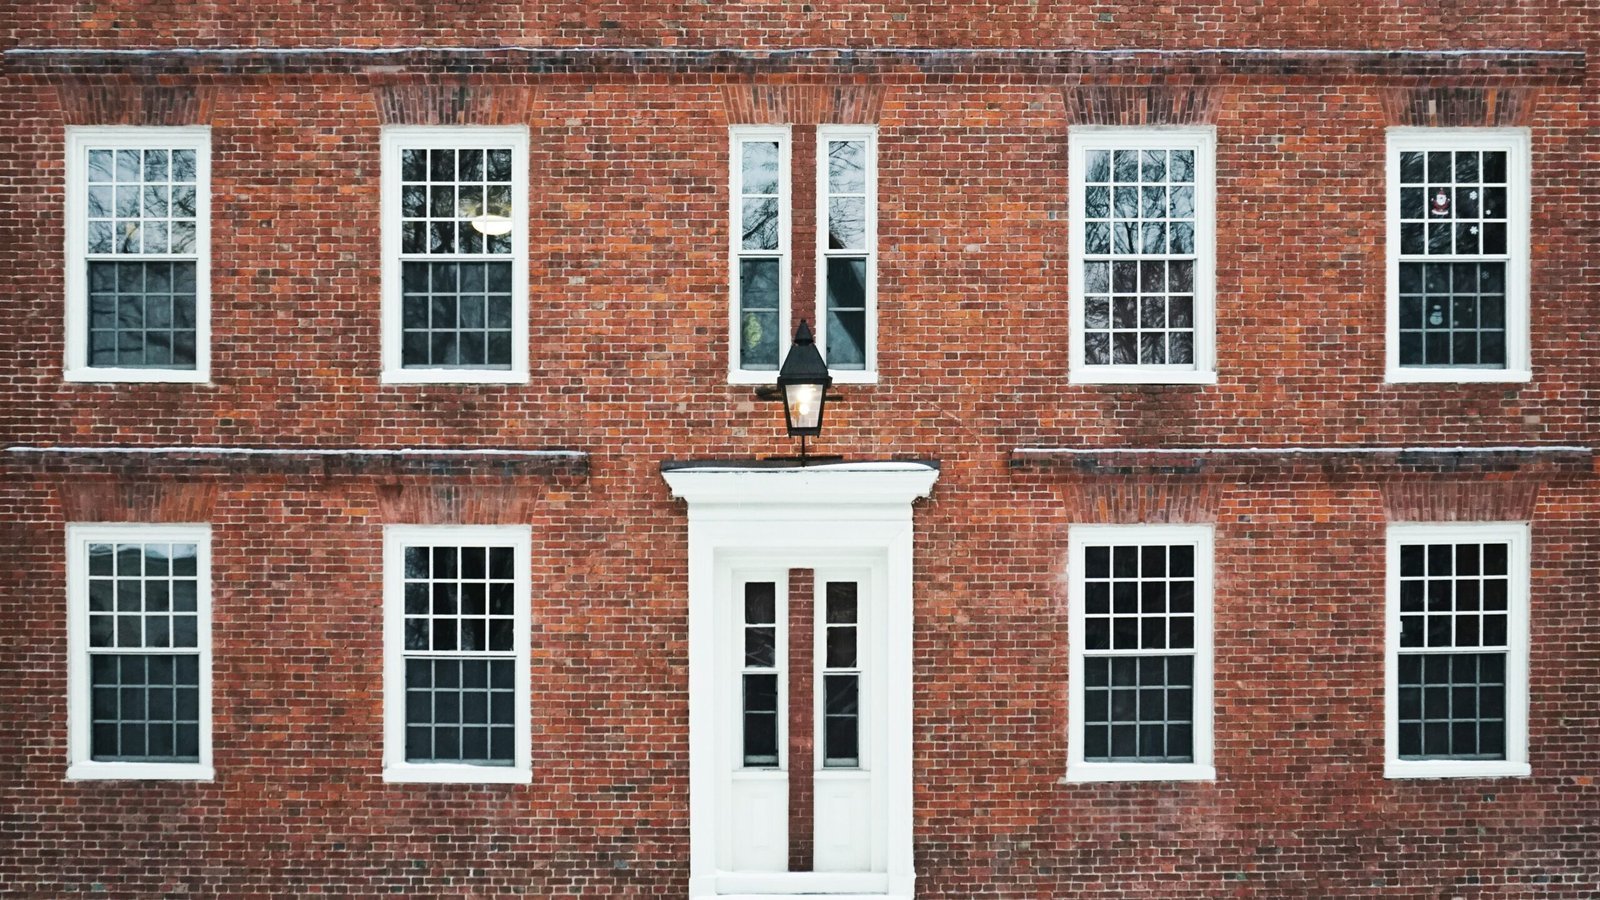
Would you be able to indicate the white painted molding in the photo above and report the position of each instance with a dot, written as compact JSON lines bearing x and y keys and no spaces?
{"x":734,"y":491}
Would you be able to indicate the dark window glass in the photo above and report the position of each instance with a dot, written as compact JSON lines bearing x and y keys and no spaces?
{"x":142,"y":314}
{"x":1452,"y":704}
{"x":1139,"y":604}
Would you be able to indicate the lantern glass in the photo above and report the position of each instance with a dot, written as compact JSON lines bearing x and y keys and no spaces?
{"x":803,"y":406}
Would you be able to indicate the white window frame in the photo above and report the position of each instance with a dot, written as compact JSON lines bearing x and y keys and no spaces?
{"x":737,"y":135}
{"x":1203,"y":140}
{"x":80,"y":139}
{"x":1517,"y":144}
{"x":1516,"y":536}
{"x":1202,"y":768}
{"x":869,"y":135}
{"x":430,"y":137}
{"x":395,"y":539}
{"x":80,"y":765}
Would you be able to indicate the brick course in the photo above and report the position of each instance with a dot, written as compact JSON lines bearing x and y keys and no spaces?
{"x":627,"y":338}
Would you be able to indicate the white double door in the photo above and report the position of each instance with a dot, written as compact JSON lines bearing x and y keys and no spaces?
{"x":783,"y":649}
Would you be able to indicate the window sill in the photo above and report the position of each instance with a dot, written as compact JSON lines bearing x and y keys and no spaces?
{"x":1462,"y":768}
{"x":454,"y":376}
{"x":1134,"y":375}
{"x":145,"y":376}
{"x":449,"y":773}
{"x":1093,"y":772}
{"x":97,"y":770}
{"x":1458,"y":376}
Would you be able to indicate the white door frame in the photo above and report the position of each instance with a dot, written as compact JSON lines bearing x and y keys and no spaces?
{"x":800,"y":514}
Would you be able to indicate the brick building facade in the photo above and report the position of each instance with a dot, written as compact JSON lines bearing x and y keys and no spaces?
{"x":312,"y":591}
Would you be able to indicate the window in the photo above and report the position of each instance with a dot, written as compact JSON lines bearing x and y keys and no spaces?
{"x":847,"y":222}
{"x":1140,"y":664}
{"x":1458,"y":254}
{"x":139,"y":651}
{"x":1457,"y":650}
{"x":1142,"y":255}
{"x":841,"y":676}
{"x":759,"y":322}
{"x":455,"y":254}
{"x":456,"y":654}
{"x":762,"y":676}
{"x":138,"y":254}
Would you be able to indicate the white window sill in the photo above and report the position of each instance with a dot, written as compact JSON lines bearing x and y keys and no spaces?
{"x":96,"y":770}
{"x":1115,"y":375}
{"x":1455,"y":768}
{"x":454,"y":376}
{"x":450,"y":773}
{"x":146,"y":376}
{"x":1445,"y":375}
{"x":1093,"y":772}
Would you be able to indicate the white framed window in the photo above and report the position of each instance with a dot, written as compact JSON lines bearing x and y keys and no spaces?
{"x":455,"y":254}
{"x":1458,"y":254}
{"x":758,"y":234}
{"x":847,"y":251}
{"x":138,"y":266}
{"x":1143,"y":255}
{"x":456,"y":633}
{"x":1456,"y":660}
{"x":1140,"y":665}
{"x":139,"y":652}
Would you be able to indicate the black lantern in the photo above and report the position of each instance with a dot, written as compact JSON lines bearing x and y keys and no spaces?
{"x":803,"y":382}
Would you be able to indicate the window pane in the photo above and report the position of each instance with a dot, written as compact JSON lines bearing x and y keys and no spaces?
{"x":456,"y":315}
{"x":444,"y":695}
{"x":760,"y":167}
{"x":1149,"y":214}
{"x":140,"y":703}
{"x":139,"y":314}
{"x":758,"y":301}
{"x":1452,"y":706}
{"x":847,"y":317}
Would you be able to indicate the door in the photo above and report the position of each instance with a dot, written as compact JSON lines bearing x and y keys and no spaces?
{"x":802,"y":721}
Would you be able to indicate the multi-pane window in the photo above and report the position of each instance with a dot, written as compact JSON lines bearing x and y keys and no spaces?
{"x":1458,"y":250}
{"x":1141,"y":652}
{"x":138,"y":240}
{"x":458,"y":251}
{"x":1141,"y":254}
{"x":458,"y":677}
{"x":140,"y":660}
{"x":847,"y":245}
{"x":1458,"y":649}
{"x":760,"y":234}
{"x":760,"y":677}
{"x":841,"y":676}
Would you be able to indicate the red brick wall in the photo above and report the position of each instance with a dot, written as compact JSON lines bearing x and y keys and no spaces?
{"x":627,"y":340}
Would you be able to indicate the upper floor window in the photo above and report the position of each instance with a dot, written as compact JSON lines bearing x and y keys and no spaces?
{"x":1458,"y":254}
{"x":138,"y":254}
{"x":1140,"y":666}
{"x":847,"y":224}
{"x":759,"y":313}
{"x":761,"y":268}
{"x":139,"y":651}
{"x":1142,"y":257}
{"x":455,"y":253}
{"x":1457,"y":650}
{"x":456,"y":654}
